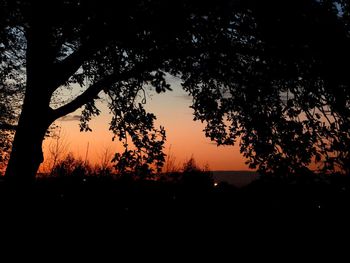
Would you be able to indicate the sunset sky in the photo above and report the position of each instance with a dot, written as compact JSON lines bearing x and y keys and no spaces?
{"x":185,"y":137}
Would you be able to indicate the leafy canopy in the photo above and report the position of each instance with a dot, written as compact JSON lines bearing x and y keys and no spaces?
{"x":269,"y":74}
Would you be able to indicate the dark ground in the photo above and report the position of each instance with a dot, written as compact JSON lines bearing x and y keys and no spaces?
{"x":128,"y":198}
{"x":93,"y":211}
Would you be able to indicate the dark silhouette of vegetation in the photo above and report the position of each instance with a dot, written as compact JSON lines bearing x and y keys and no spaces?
{"x":272,"y":74}
{"x":78,"y":189}
{"x":194,"y":177}
{"x":72,"y":167}
{"x":285,"y":92}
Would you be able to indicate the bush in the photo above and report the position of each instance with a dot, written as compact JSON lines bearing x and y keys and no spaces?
{"x":196,"y":178}
{"x":72,"y":167}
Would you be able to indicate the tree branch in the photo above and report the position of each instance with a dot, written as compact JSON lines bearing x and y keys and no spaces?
{"x":67,"y":67}
{"x":92,"y":92}
{"x":72,"y":63}
{"x":88,"y":95}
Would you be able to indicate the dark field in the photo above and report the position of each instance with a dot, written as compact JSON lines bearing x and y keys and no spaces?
{"x":128,"y":198}
{"x":96,"y":211}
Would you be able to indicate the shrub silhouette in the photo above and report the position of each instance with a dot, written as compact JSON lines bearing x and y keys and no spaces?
{"x":194,"y":177}
{"x":70,"y":166}
{"x":103,"y":171}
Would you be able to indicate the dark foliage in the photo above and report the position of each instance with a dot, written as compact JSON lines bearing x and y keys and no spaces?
{"x":272,"y":75}
{"x":71,"y":167}
{"x":282,"y":87}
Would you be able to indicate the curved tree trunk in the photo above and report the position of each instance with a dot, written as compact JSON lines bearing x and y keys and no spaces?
{"x":26,"y":154}
{"x":36,"y":114}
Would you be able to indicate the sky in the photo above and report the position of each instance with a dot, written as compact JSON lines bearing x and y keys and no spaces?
{"x":185,"y":137}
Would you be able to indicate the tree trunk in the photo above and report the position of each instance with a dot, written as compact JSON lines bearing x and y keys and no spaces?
{"x":36,"y":115}
{"x":27,"y":155}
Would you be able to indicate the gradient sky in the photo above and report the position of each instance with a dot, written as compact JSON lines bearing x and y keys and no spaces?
{"x":185,"y":136}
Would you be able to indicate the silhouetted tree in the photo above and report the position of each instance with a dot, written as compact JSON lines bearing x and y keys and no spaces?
{"x":282,"y":87}
{"x":270,"y":73}
{"x":103,"y":47}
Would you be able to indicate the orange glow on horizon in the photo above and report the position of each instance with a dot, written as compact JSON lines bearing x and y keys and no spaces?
{"x":184,"y":136}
